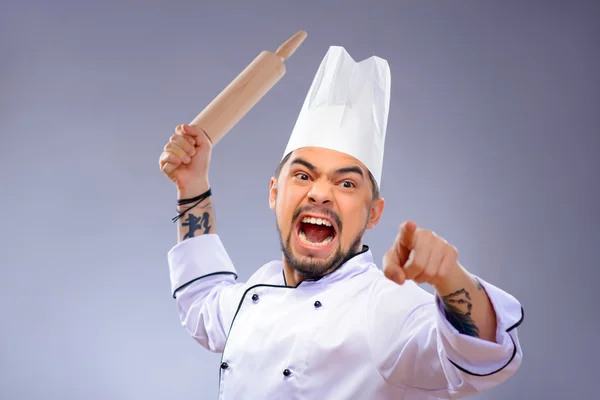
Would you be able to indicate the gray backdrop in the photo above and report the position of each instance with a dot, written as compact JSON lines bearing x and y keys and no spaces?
{"x":492,"y":143}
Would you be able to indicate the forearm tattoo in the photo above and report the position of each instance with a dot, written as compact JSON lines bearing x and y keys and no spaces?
{"x":458,"y":307}
{"x":195,"y":223}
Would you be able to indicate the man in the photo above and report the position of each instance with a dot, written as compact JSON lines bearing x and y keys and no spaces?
{"x":325,"y":322}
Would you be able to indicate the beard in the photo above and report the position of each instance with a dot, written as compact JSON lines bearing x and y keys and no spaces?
{"x":312,"y":269}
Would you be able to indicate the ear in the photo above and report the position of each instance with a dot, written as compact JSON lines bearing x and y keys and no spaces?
{"x":272,"y":193}
{"x":376,"y":212}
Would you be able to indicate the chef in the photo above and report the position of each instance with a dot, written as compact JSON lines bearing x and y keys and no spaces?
{"x":324,"y":321}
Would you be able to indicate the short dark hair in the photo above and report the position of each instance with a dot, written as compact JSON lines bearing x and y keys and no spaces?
{"x":375,"y":193}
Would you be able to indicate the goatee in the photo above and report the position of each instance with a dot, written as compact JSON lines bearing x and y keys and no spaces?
{"x":313,"y":269}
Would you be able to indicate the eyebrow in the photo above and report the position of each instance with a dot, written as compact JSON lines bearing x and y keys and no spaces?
{"x":349,"y":170}
{"x":339,"y":171}
{"x":303,"y":162}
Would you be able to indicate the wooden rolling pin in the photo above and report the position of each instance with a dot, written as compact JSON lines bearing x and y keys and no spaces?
{"x":230,"y":106}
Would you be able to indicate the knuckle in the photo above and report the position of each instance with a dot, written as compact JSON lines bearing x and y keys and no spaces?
{"x":388,"y":273}
{"x":183,"y":142}
{"x":171,"y":156}
{"x":174,"y":160}
{"x":176,"y":140}
{"x":388,"y":268}
{"x":174,"y":148}
{"x":412,"y":273}
{"x":171,"y":144}
{"x":425,"y":276}
{"x":453,"y":251}
{"x":442,"y":273}
{"x":419,"y":265}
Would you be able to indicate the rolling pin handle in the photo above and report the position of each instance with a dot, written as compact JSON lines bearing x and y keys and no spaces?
{"x":289,"y":46}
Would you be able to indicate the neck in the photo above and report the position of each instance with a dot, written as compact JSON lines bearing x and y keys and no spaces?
{"x":292,"y":277}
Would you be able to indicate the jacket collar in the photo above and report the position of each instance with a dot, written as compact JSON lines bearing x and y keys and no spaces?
{"x":355,"y":265}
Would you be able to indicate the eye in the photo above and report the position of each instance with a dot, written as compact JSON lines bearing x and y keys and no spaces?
{"x":301,"y":176}
{"x":347,"y":184}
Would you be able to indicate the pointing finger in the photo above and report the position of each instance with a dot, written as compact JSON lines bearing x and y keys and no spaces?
{"x":406,"y":236}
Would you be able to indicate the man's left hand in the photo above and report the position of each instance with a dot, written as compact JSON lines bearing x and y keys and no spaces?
{"x":419,"y":255}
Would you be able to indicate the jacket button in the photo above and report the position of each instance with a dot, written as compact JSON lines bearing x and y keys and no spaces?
{"x":224,"y":365}
{"x":287,"y":372}
{"x":254,"y":297}
{"x":318,"y":304}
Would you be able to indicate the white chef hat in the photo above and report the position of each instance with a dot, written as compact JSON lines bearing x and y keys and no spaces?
{"x":346,"y":109}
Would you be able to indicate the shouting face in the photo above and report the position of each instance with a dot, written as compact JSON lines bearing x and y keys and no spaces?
{"x":323,"y":203}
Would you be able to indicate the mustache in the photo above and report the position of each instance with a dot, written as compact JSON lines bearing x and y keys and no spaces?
{"x":324,"y":211}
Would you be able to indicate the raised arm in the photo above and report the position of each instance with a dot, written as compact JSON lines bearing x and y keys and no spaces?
{"x":202,"y":274}
{"x":189,"y":150}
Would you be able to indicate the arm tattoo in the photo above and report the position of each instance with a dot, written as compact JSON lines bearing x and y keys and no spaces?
{"x":196,"y":223}
{"x":458,"y":312}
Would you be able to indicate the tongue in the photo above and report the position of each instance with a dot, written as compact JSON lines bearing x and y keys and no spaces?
{"x":316,"y":233}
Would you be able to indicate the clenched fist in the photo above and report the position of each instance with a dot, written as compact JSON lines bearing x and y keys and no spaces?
{"x":419,"y":255}
{"x":189,"y":151}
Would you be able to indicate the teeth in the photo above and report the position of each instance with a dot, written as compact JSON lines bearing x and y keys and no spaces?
{"x":316,"y":221}
{"x":304,"y":240}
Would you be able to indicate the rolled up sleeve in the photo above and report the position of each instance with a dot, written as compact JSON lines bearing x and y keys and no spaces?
{"x":481,"y":358}
{"x":415,"y":347}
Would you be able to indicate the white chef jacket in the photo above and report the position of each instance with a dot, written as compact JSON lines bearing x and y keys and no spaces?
{"x":354,"y":334}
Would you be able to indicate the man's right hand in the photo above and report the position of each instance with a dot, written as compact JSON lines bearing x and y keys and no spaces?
{"x":189,"y":150}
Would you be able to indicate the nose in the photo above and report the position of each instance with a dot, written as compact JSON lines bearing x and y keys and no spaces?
{"x":320,"y":193}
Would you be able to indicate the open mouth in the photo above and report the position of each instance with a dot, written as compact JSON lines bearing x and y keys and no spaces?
{"x":315,"y":231}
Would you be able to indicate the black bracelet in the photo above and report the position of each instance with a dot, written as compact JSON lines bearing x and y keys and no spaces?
{"x":181,"y":202}
{"x":197,"y":199}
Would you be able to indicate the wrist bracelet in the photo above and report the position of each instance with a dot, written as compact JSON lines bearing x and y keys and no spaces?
{"x":181,"y":202}
{"x":197,"y":200}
